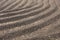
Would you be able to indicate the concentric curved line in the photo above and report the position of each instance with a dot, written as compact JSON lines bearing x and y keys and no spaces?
{"x":18,"y":9}
{"x":20,"y":17}
{"x":15,"y":11}
{"x":5,"y":4}
{"x":18,"y":33}
{"x":26,"y":15}
{"x":19,"y":5}
{"x":38,"y":19}
{"x":21,"y":2}
{"x":37,"y":23}
{"x":8,"y":5}
{"x":4,"y":14}
{"x":11,"y":5}
{"x":32,"y":18}
{"x":11,"y":13}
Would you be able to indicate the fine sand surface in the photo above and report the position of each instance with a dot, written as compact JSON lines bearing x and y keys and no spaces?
{"x":29,"y":19}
